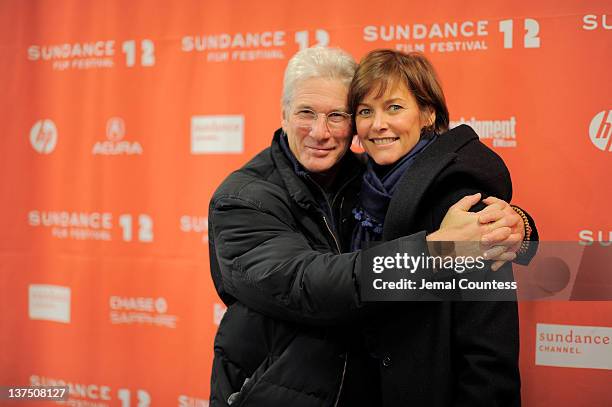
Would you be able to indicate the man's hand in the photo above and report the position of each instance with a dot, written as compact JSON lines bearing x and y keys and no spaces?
{"x":461,"y":225}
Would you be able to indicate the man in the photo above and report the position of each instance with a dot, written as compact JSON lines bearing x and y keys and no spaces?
{"x":275,"y":248}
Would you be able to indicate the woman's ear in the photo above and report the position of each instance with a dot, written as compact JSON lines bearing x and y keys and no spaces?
{"x":432,"y":119}
{"x":429,"y":118}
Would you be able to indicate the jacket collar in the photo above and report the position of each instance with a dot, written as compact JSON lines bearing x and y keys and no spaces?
{"x":414,"y":183}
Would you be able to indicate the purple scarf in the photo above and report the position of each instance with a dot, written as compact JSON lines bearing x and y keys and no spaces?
{"x":376,"y":192}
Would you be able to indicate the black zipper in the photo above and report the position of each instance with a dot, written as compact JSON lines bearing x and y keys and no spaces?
{"x":330,"y":206}
{"x":332,"y":234}
{"x":329,"y":229}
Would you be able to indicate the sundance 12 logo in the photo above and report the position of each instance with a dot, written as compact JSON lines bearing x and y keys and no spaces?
{"x":600,"y":130}
{"x":43,"y":136}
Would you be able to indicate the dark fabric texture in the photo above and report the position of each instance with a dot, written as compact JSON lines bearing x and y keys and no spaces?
{"x":442,"y":353}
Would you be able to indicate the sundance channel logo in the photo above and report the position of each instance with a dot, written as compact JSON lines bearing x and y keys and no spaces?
{"x":43,"y":136}
{"x":574,"y":346}
{"x":141,"y":311}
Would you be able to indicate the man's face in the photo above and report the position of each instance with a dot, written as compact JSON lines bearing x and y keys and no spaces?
{"x":320,"y":146}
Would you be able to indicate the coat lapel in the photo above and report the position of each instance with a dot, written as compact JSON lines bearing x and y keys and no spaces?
{"x":415,"y":182}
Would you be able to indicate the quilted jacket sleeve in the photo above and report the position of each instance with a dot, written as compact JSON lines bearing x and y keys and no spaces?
{"x":259,"y":259}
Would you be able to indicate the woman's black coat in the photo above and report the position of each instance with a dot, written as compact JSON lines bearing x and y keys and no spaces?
{"x":445,"y":353}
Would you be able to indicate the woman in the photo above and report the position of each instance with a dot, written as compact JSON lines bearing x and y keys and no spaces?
{"x":429,"y":354}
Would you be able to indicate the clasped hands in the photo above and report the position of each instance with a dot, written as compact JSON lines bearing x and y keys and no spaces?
{"x":495,"y":233}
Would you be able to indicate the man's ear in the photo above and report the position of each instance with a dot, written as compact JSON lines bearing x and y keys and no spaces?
{"x":284,"y":121}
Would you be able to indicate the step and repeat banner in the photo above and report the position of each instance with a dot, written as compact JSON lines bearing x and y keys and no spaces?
{"x":120,"y":118}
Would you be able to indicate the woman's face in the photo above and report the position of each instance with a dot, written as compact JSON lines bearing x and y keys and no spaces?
{"x":390,"y":126}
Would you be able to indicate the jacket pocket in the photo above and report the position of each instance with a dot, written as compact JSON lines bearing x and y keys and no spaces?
{"x":238,"y":398}
{"x":307,"y":373}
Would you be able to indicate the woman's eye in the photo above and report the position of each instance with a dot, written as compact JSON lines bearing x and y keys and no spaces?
{"x":395,"y":108}
{"x":364,"y":112}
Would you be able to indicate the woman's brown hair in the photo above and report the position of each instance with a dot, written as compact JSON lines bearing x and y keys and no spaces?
{"x":382,"y":68}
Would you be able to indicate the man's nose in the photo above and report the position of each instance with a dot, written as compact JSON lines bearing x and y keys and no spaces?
{"x":319,"y":127}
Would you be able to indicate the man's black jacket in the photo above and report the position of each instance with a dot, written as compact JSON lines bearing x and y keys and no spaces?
{"x":275,"y":261}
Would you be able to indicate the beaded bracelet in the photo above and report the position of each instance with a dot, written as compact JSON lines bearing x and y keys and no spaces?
{"x":525,"y":245}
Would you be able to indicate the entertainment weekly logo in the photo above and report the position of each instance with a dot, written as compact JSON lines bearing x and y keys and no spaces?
{"x":252,"y":46}
{"x":217,"y":134}
{"x":114,"y":143}
{"x":574,"y":346}
{"x":194,"y":224}
{"x":43,"y":136}
{"x":600,"y":130}
{"x":141,"y":311}
{"x":500,"y":132}
{"x":95,"y":54}
{"x":455,"y":35}
{"x":49,"y":303}
{"x":94,"y":394}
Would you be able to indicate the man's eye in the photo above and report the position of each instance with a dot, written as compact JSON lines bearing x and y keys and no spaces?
{"x":305,"y":113}
{"x":336,"y":117}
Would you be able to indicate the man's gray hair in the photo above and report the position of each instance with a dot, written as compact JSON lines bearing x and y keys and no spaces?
{"x":316,"y":62}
